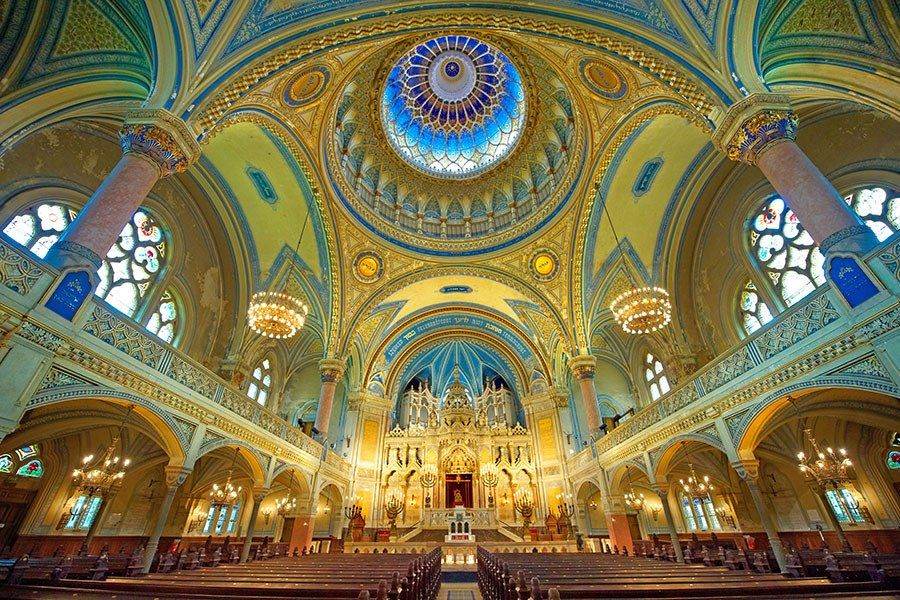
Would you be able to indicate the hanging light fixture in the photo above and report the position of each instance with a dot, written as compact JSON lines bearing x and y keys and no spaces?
{"x":639,"y":309}
{"x":829,"y":469}
{"x":634,"y":501}
{"x":286,"y":503}
{"x":696,"y":487}
{"x":224,"y":496}
{"x":277,"y":314}
{"x":97,"y":477}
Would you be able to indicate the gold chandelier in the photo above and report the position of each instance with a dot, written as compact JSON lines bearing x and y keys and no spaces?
{"x":225,"y":495}
{"x":696,"y":487}
{"x":639,"y":309}
{"x":829,"y":469}
{"x":97,"y":477}
{"x":277,"y":314}
{"x":633,"y":500}
{"x":287,"y":503}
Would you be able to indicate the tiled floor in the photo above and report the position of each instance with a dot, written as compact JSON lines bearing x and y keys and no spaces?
{"x":460,"y":591}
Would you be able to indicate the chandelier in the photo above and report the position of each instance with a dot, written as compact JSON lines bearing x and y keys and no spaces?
{"x":632,"y":500}
{"x":490,"y":477}
{"x":97,"y":477}
{"x":224,"y":496}
{"x":639,"y":309}
{"x":277,"y":314}
{"x":829,"y":469}
{"x":696,"y":487}
{"x":286,"y":503}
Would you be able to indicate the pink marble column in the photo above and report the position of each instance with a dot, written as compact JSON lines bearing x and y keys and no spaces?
{"x":760,"y":131}
{"x":155,"y":144}
{"x":330,"y":370}
{"x":583,"y":368}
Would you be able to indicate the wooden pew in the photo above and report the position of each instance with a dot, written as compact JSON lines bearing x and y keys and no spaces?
{"x":847,"y":566}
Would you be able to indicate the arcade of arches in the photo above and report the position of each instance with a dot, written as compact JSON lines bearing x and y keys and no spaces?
{"x":453,"y":198}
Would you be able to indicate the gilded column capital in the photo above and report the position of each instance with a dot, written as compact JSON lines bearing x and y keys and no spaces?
{"x":176,"y":475}
{"x":754,"y":123}
{"x":583,"y":366}
{"x":331,"y":369}
{"x":160,"y":137}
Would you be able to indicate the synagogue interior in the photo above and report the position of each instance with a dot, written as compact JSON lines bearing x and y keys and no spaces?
{"x":504,"y":300}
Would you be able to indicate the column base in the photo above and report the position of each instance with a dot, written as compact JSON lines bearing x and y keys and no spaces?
{"x":856,"y":239}
{"x":71,"y":255}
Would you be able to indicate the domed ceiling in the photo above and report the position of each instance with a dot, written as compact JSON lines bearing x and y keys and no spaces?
{"x":455,"y":145}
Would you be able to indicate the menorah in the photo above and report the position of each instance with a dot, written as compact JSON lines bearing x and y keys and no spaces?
{"x":428,"y":477}
{"x":394,"y":506}
{"x":490,"y":476}
{"x":566,"y":509}
{"x":523,"y":503}
{"x":355,"y":520}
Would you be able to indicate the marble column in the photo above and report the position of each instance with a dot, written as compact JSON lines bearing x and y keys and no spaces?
{"x":330,"y":370}
{"x":583,"y":367}
{"x":175,"y":476}
{"x":155,"y":144}
{"x":663,"y":492}
{"x":301,"y":535}
{"x":748,"y":470}
{"x":258,"y":496}
{"x":760,"y":130}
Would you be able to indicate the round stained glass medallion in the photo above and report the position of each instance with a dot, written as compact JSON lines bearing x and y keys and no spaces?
{"x":453,"y":106}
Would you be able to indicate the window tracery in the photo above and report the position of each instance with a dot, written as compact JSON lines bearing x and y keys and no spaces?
{"x":131,"y":267}
{"x":789,"y":256}
{"x":655,"y":376}
{"x":753,"y":310}
{"x":164,"y":320}
{"x":260,"y":382}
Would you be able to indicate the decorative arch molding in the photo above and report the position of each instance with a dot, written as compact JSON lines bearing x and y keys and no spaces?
{"x":747,"y":427}
{"x":618,"y":474}
{"x":265,"y":117}
{"x":684,"y":80}
{"x":588,"y":218}
{"x":481,"y":271}
{"x":662,"y":456}
{"x":176,"y":434}
{"x":255,"y":460}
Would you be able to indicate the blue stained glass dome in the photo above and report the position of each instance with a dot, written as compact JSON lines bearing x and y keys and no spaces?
{"x":453,"y":106}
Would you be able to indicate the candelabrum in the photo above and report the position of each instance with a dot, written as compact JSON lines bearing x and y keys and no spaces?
{"x":523,"y":503}
{"x":394,"y":506}
{"x":725,"y":516}
{"x":198,"y":520}
{"x":490,"y":477}
{"x":353,"y":513}
{"x":428,"y":477}
{"x":566,"y":509}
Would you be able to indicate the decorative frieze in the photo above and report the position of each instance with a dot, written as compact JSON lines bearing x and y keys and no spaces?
{"x":122,"y":336}
{"x":17,"y":272}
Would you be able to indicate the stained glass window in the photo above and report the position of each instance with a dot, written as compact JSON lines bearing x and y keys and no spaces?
{"x":131,"y":266}
{"x":232,"y":521}
{"x":754,"y":312}
{"x":655,"y":375}
{"x":787,"y":253}
{"x":83,"y":512}
{"x":844,"y":506}
{"x":688,"y":513}
{"x":164,"y":320}
{"x":6,"y":463}
{"x":260,"y":382}
{"x":32,"y":468}
{"x":27,"y":451}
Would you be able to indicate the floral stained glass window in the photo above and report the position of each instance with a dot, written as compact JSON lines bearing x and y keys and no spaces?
{"x":754,"y":312}
{"x":131,"y":265}
{"x":6,"y":463}
{"x":27,"y":451}
{"x":655,"y":375}
{"x":260,"y":382}
{"x":164,"y":320}
{"x":32,"y":468}
{"x":787,"y":253}
{"x":83,"y":512}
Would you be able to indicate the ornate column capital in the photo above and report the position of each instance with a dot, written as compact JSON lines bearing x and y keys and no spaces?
{"x":176,"y":475}
{"x":331,"y":369}
{"x":753,"y":124}
{"x":660,"y":489}
{"x":259,"y":494}
{"x":583,"y":366}
{"x":162,"y":138}
{"x":747,"y":469}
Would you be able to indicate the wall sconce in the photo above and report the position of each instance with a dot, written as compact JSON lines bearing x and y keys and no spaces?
{"x":266,"y":513}
{"x":654,"y":510}
{"x":593,"y":505}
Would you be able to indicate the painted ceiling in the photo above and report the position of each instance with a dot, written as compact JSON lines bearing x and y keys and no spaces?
{"x":455,"y":159}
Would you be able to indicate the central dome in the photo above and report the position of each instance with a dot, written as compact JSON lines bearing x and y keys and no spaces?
{"x":453,"y":106}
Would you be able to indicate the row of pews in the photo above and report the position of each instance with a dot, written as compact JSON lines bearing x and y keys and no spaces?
{"x":312,"y":577}
{"x":524,"y":576}
{"x":29,"y":569}
{"x":839,"y":567}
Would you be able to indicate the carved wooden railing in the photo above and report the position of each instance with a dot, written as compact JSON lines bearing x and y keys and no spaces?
{"x":21,"y":273}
